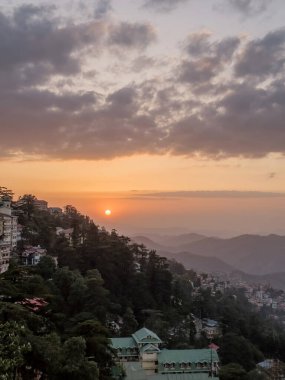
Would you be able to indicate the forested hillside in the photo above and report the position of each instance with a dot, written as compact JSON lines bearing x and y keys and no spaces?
{"x":56,"y":321}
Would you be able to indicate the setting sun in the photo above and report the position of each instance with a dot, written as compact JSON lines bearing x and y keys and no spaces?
{"x":108,"y":212}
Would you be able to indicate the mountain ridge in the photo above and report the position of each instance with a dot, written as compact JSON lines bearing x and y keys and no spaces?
{"x":251,"y":254}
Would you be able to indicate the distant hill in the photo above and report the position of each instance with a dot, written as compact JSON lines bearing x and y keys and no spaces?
{"x":202,"y":263}
{"x":276,"y":280}
{"x":178,"y":240}
{"x":189,"y":260}
{"x":170,"y":243}
{"x":150,"y":244}
{"x":252,"y":254}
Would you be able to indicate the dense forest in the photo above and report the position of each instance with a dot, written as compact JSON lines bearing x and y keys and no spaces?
{"x":102,"y":280}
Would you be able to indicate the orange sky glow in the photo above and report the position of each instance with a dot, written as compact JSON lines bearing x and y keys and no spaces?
{"x":126,"y":186}
{"x":168,"y":113}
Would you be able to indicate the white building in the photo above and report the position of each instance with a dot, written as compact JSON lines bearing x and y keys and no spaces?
{"x":211,"y":328}
{"x":32,"y":255}
{"x":8,"y":233}
{"x":66,"y":232}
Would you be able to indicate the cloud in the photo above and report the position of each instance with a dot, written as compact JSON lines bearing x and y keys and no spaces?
{"x":215,"y":102}
{"x":200,"y":44}
{"x":263,"y":57}
{"x":31,"y":36}
{"x":210,"y":194}
{"x":249,"y":7}
{"x":143,"y":62}
{"x":246,"y":121}
{"x":201,"y":70}
{"x":41,"y":119}
{"x":163,"y":5}
{"x":205,"y":58}
{"x":131,"y":35}
{"x":103,"y":7}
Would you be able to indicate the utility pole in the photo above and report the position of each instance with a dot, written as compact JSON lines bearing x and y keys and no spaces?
{"x":211,"y":363}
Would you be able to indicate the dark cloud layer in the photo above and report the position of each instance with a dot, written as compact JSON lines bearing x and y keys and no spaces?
{"x":128,"y":35}
{"x":263,"y":57}
{"x":29,"y":37}
{"x":224,"y":98}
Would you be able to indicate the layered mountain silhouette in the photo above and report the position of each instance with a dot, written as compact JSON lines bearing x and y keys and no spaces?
{"x":251,"y":254}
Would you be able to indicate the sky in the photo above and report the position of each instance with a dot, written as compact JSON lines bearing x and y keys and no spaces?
{"x":168,"y":112}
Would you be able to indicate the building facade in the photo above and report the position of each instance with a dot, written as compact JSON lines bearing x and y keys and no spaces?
{"x":144,"y":347}
{"x":8,"y":233}
{"x":32,"y":255}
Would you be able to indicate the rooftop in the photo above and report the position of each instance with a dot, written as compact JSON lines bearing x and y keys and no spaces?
{"x":123,"y":342}
{"x":134,"y":371}
{"x":187,"y":356}
{"x":146,"y":336}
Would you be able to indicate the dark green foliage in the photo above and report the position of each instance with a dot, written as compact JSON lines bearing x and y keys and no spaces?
{"x":46,"y":354}
{"x":235,"y":348}
{"x":13,"y":346}
{"x":75,"y":364}
{"x":232,"y":371}
{"x":257,"y":375}
{"x":46,"y":267}
{"x":130,"y":323}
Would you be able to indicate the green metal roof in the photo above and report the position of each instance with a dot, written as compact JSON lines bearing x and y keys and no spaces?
{"x":123,"y":342}
{"x":134,"y":371}
{"x":181,"y":376}
{"x":150,"y":347}
{"x":187,"y":356}
{"x":141,"y":335}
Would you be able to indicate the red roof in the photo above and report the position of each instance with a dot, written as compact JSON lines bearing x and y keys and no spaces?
{"x":213,"y":346}
{"x":34,"y":304}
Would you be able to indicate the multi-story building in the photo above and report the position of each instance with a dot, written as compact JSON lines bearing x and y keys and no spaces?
{"x":8,"y":233}
{"x":38,"y":203}
{"x":41,"y":204}
{"x":142,"y":351}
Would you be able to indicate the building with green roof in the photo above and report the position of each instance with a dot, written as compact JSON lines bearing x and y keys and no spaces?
{"x":126,"y":348}
{"x":143,"y":349}
{"x":144,"y":336}
{"x":134,"y":371}
{"x":184,"y":361}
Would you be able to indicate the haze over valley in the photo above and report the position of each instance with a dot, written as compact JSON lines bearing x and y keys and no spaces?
{"x":260,"y":256}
